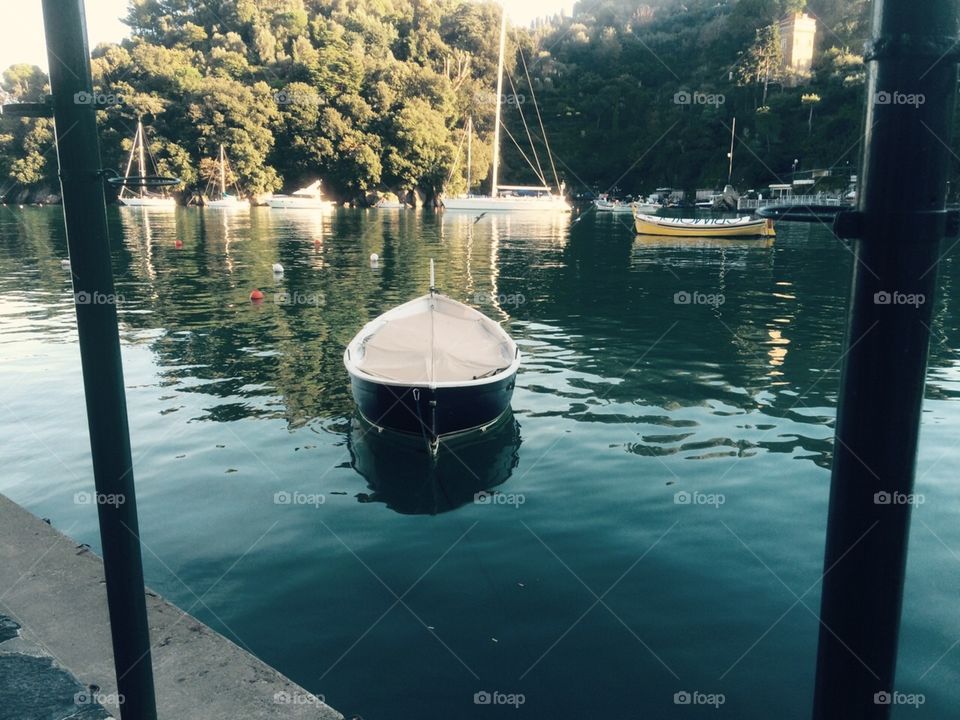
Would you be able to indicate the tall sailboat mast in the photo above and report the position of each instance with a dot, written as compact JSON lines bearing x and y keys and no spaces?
{"x":496,"y":128}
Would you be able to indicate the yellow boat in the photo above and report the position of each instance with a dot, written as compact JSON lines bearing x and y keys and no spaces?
{"x":710,"y":228}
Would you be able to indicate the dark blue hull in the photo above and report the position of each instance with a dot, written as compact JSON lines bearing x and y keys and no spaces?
{"x":432,"y":413}
{"x":404,"y":475}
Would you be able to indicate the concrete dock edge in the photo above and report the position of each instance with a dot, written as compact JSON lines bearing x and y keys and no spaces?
{"x":54,"y":590}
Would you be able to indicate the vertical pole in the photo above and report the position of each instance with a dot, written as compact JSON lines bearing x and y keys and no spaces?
{"x":469,"y":153}
{"x":84,"y":209}
{"x":495,"y":185}
{"x":911,"y":94}
{"x":141,"y":158}
{"x":223,"y":173}
{"x":733,"y":139}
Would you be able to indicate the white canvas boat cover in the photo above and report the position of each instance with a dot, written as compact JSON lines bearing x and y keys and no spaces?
{"x":436,"y":340}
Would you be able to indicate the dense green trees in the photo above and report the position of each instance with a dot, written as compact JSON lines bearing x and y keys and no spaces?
{"x":369,"y":94}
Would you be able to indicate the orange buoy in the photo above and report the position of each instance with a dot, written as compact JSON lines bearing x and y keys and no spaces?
{"x":256,"y":296}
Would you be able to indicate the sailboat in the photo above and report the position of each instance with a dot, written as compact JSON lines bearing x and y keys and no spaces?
{"x":141,"y":198}
{"x":226,"y":201}
{"x":507,"y":198}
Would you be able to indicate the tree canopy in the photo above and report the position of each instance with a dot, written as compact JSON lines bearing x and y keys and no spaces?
{"x":367,"y":94}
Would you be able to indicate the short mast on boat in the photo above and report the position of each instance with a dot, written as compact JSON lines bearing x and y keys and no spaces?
{"x":141,"y":198}
{"x":141,"y":158}
{"x":733,"y":139}
{"x":223,"y":172}
{"x":225,"y":199}
{"x":469,"y":153}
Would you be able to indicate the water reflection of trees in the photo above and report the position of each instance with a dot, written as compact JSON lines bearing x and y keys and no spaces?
{"x":217,"y":342}
{"x":595,"y":317}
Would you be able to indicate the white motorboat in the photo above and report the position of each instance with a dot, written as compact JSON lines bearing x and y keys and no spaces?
{"x":307,"y":198}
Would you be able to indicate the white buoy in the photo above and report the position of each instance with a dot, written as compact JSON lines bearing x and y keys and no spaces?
{"x":277,"y":269}
{"x":374,"y":259}
{"x":65,"y":264}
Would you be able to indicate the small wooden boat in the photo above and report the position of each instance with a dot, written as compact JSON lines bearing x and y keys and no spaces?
{"x":714,"y":228}
{"x":604,"y":204}
{"x":432,"y":367}
{"x":612,"y":206}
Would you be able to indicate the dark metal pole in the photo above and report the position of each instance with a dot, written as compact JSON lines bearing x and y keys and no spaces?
{"x":84,"y":209}
{"x":901,"y":222}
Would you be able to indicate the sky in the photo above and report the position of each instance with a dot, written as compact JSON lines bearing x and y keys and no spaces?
{"x":21,"y":34}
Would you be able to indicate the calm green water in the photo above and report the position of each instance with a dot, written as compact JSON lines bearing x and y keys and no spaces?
{"x":400,"y":597}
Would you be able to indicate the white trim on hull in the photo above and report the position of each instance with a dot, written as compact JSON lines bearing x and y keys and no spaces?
{"x":551,"y":203}
{"x":228,"y":204}
{"x":292,"y":203}
{"x":150,"y":202}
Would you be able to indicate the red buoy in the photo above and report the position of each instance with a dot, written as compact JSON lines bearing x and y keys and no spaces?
{"x":178,"y":244}
{"x":256,"y":296}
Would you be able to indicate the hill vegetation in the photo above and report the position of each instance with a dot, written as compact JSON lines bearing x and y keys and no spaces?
{"x":375,"y":94}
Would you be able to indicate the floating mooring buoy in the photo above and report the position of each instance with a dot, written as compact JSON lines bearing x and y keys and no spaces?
{"x":374,"y":259}
{"x":256,"y":296}
{"x":277,"y":269}
{"x":178,"y":244}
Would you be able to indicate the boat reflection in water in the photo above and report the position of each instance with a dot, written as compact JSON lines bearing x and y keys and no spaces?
{"x":401,"y":473}
{"x":681,"y":243}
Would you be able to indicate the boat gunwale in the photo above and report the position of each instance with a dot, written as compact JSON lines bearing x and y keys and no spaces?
{"x":697,"y":224}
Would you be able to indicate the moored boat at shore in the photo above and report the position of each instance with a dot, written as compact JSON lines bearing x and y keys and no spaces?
{"x":432,"y":367}
{"x":141,"y":198}
{"x":223,"y":200}
{"x":510,"y":198}
{"x":307,"y":198}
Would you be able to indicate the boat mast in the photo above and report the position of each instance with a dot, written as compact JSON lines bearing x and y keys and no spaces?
{"x":733,"y":137}
{"x":223,"y":173}
{"x":496,"y":127}
{"x":141,"y":158}
{"x":126,"y":173}
{"x":469,"y":151}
